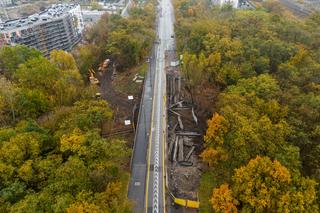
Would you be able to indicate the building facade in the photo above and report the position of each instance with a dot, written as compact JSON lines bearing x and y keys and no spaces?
{"x":58,"y":27}
{"x":4,"y":3}
{"x":234,"y":3}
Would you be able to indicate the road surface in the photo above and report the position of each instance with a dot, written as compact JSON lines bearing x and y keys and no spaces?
{"x":147,"y":183}
{"x":155,"y":180}
{"x":137,"y":184}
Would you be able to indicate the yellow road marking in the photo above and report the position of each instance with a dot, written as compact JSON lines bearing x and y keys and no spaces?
{"x":149,"y":152}
{"x":163,"y":156}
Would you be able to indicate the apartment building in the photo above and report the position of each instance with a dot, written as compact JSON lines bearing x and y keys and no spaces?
{"x":58,"y":27}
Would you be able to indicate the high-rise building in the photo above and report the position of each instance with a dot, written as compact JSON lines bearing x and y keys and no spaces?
{"x":58,"y":27}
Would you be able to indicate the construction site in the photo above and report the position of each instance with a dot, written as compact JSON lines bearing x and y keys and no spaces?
{"x":184,"y":142}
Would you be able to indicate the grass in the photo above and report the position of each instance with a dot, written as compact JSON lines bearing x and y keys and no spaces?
{"x":207,"y":183}
{"x":211,"y":179}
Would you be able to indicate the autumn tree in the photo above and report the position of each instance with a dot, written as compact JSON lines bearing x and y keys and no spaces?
{"x":222,"y":199}
{"x":250,"y":122}
{"x":265,"y":185}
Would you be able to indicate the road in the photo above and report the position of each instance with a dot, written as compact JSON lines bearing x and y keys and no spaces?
{"x":155,"y":181}
{"x":147,"y":183}
{"x":297,"y":9}
{"x":137,"y":184}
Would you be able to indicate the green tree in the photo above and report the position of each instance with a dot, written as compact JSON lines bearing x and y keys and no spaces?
{"x":124,"y":49}
{"x":8,"y":98}
{"x":37,"y":73}
{"x":12,"y":57}
{"x":31,"y":103}
{"x":63,"y":60}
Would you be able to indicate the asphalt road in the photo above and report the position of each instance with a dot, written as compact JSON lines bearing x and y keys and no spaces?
{"x":147,"y":183}
{"x":155,"y":180}
{"x":137,"y":184}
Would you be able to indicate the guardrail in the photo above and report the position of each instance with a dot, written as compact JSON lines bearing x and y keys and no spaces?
{"x":185,"y":202}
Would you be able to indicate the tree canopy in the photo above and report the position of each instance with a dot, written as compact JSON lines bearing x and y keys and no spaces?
{"x":52,"y":156}
{"x":260,"y":73}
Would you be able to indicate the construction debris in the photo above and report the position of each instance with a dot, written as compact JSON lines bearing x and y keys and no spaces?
{"x":186,"y":133}
{"x":186,"y":163}
{"x":174,"y":112}
{"x":180,"y":156}
{"x":171,"y":147}
{"x":194,"y":116}
{"x":184,"y":142}
{"x":176,"y":104}
{"x":189,"y":153}
{"x":180,"y":122}
{"x":175,"y":149}
{"x":188,"y":141}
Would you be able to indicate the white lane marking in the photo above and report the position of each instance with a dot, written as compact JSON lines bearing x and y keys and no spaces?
{"x":165,"y":44}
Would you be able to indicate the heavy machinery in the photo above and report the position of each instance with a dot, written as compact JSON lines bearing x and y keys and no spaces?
{"x":93,"y":80}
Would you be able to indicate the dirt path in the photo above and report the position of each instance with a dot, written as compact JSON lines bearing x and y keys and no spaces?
{"x":121,"y":106}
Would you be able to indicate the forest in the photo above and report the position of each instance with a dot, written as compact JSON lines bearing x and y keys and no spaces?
{"x":254,"y":75}
{"x":52,"y":155}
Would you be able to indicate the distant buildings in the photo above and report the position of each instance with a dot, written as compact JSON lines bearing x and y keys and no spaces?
{"x":58,"y":27}
{"x":234,"y":3}
{"x":4,"y":3}
{"x":92,"y":16}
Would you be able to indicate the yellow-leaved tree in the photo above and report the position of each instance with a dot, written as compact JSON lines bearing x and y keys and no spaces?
{"x":264,"y":185}
{"x":214,"y":138}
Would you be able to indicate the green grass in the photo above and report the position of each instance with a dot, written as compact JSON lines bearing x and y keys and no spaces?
{"x":207,"y":183}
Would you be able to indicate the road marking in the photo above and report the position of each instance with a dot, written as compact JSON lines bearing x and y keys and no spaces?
{"x":158,"y":126}
{"x":149,"y":153}
{"x":163,"y":156}
{"x":155,"y":201}
{"x":137,"y":183}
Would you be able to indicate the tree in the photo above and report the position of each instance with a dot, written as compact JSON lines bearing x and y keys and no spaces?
{"x":124,"y":49}
{"x":214,"y":138}
{"x":72,"y":142}
{"x":87,"y":57}
{"x":63,"y":60}
{"x":86,"y":115}
{"x":222,"y":200}
{"x":20,"y":148}
{"x":83,"y":207}
{"x":37,"y":73}
{"x":250,"y":122}
{"x":12,"y":57}
{"x":31,"y":103}
{"x":192,"y":71}
{"x":71,"y":176}
{"x":68,"y":87}
{"x":8,"y":94}
{"x":266,"y":185}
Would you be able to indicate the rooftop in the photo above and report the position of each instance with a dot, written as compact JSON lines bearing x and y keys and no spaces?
{"x":54,"y":12}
